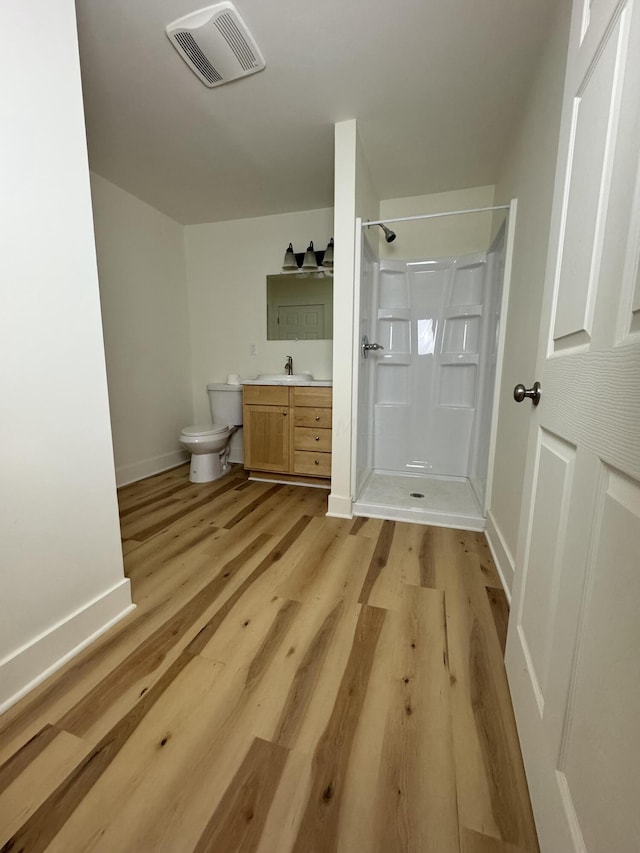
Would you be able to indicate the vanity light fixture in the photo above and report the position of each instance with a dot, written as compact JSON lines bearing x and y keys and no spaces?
{"x":327,"y":260}
{"x":308,"y":261}
{"x":290,"y":262}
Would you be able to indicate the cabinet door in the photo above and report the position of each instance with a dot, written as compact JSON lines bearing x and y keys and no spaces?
{"x":266,"y":438}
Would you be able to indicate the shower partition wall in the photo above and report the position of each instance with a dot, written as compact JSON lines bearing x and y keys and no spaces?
{"x":425,"y":400}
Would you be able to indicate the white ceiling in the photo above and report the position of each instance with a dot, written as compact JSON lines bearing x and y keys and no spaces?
{"x":435,"y":85}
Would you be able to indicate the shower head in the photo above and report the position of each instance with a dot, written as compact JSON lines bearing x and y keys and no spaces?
{"x":389,"y":235}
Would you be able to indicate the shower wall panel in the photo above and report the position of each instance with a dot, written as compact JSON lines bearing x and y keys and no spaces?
{"x":366,"y":367}
{"x":430,"y":323}
{"x":479,"y":463}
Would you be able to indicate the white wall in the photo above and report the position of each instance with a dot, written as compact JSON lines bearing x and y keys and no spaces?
{"x":60,"y":561}
{"x":227,"y":265}
{"x":528,"y":174}
{"x":145,"y":314}
{"x":441,"y":237}
{"x":354,"y":195}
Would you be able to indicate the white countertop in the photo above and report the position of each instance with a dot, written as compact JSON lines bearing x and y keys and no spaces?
{"x":318,"y":383}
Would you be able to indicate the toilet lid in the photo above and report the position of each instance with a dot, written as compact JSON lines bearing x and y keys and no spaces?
{"x":204,"y":429}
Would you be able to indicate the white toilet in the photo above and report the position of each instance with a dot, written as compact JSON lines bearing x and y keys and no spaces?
{"x":208,"y":444}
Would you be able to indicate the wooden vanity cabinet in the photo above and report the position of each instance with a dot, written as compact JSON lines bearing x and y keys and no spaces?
{"x":266,"y":428}
{"x":287,"y":431}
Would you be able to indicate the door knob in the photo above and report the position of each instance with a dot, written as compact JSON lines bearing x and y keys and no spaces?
{"x":520,"y":392}
{"x":366,"y":346}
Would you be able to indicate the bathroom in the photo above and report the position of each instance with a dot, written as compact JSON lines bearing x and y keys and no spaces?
{"x":190,"y":335}
{"x":181,"y":303}
{"x":184,"y":304}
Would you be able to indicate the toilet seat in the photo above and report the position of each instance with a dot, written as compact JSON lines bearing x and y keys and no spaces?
{"x":204,"y":430}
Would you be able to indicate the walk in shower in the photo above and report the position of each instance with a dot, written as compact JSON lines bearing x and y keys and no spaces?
{"x":429,"y":343}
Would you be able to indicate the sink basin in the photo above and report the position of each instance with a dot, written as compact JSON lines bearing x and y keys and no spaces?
{"x":285,"y":377}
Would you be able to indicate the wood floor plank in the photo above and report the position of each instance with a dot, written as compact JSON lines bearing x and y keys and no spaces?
{"x":141,"y":503}
{"x":415,"y":810}
{"x":252,"y":506}
{"x":135,"y":673}
{"x":41,"y":766}
{"x":410,"y":560}
{"x":477,"y":543}
{"x":238,"y":822}
{"x":147,"y":526}
{"x":492,"y":791}
{"x":237,"y":502}
{"x":156,"y":484}
{"x":24,"y":756}
{"x":288,"y":682}
{"x":159,"y":592}
{"x":276,"y":515}
{"x":378,"y":560}
{"x":191,"y":744}
{"x":475,"y":842}
{"x":48,"y":820}
{"x":51,"y":699}
{"x":357,"y":525}
{"x":313,"y":573}
{"x":317,"y":650}
{"x":363,"y":526}
{"x":289,"y":799}
{"x":320,"y":822}
{"x":500,"y":612}
{"x":159,"y":738}
{"x":204,"y":635}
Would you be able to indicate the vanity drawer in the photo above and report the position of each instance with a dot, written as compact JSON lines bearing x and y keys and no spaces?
{"x":306,"y":438}
{"x":266,"y":395}
{"x":314,"y":464}
{"x":311,"y":417}
{"x":309,"y":396}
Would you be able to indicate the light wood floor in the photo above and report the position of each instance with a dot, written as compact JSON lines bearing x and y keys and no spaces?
{"x":288,"y":682}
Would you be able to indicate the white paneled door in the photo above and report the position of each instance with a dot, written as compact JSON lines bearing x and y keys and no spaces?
{"x":573,"y":650}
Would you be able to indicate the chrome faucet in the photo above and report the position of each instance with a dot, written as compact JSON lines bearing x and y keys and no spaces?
{"x":288,"y":368}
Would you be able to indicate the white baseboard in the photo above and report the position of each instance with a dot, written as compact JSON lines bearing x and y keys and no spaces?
{"x":25,"y":668}
{"x":339,"y":507}
{"x":148,"y":467}
{"x":502,"y":556}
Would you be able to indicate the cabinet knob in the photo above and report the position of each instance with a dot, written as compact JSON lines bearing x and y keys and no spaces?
{"x":317,"y":438}
{"x":316,"y":462}
{"x":285,"y":414}
{"x":317,"y":417}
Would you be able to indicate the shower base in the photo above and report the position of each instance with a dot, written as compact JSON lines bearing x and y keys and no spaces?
{"x":443,"y":501}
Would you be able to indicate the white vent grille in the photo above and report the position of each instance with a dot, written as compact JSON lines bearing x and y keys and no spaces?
{"x":236,"y":41}
{"x":190,"y":47}
{"x":216,"y":44}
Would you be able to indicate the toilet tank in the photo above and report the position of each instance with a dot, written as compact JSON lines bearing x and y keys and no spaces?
{"x":225,"y":402}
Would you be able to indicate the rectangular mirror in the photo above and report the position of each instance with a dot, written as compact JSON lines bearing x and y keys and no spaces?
{"x":300,"y":306}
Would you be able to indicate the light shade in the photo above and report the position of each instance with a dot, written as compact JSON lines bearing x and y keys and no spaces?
{"x":327,"y":260}
{"x":289,"y":262}
{"x":310,"y":261}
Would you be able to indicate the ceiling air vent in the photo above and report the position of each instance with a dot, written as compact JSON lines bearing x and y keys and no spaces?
{"x":216,"y":44}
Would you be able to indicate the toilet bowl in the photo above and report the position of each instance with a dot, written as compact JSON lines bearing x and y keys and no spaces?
{"x":208,"y":444}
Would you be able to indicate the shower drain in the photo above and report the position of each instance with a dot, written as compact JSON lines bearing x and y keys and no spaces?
{"x":415,"y":495}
